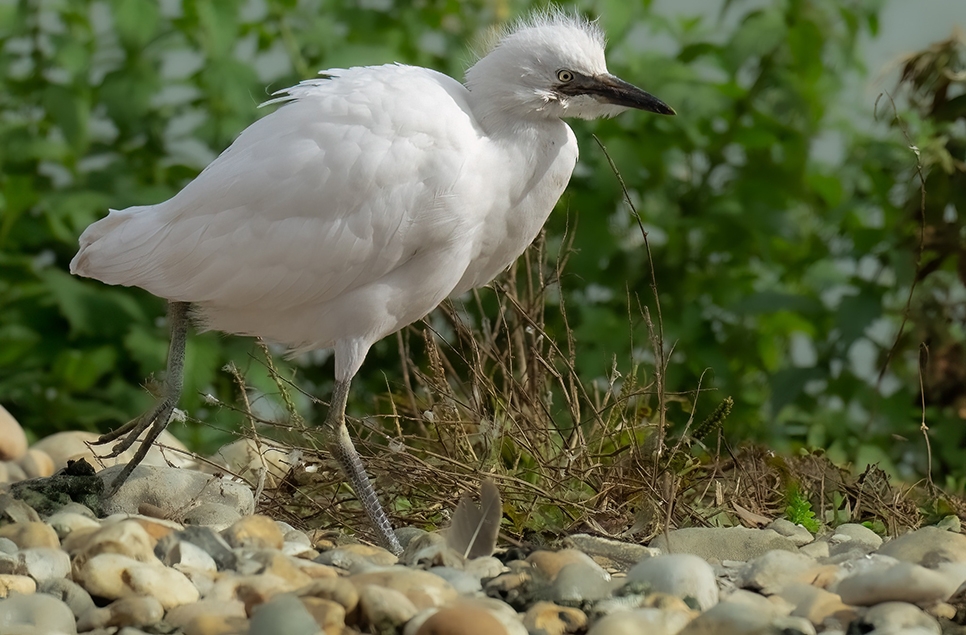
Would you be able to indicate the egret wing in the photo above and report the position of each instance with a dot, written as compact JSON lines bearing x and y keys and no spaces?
{"x":334,"y":190}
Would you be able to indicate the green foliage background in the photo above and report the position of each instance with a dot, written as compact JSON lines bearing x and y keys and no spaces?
{"x":782,"y":273}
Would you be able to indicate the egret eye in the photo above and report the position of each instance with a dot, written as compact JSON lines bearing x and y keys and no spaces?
{"x":565,"y":76}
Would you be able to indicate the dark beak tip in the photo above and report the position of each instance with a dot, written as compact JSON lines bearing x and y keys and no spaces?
{"x":616,"y":91}
{"x":659,"y":108}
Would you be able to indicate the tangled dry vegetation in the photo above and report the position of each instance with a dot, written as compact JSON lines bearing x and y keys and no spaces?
{"x":499,"y":397}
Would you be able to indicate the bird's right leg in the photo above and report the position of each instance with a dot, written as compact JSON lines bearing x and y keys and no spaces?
{"x":339,"y":443}
{"x":157,"y":418}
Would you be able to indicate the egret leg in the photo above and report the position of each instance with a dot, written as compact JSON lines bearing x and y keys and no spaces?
{"x":157,"y":418}
{"x":339,"y":443}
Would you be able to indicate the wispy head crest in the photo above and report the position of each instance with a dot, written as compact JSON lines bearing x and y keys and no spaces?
{"x":558,"y":16}
{"x":549,"y":16}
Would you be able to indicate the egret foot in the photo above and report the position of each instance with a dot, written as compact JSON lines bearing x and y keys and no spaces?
{"x":157,"y":419}
{"x":340,"y":445}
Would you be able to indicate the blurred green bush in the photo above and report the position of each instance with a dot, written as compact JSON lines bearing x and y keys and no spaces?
{"x":784,"y":232}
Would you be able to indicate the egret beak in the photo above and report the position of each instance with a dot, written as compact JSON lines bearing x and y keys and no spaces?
{"x":614,"y":90}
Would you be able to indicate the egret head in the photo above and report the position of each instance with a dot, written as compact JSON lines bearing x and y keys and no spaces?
{"x":552,"y":66}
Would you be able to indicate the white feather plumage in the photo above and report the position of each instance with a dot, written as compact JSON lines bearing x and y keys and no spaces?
{"x":351,"y":211}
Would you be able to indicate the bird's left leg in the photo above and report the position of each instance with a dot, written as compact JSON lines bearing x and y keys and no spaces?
{"x":157,"y":418}
{"x":340,"y":445}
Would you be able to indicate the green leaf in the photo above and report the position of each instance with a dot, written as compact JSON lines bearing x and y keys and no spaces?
{"x":787,"y":385}
{"x":89,"y":308}
{"x":219,"y":23}
{"x":147,"y":346}
{"x":136,"y":21}
{"x":18,"y":196}
{"x":16,"y":340}
{"x":79,"y":370}
{"x":69,"y":111}
{"x":827,"y":186}
{"x":760,"y":32}
{"x":857,"y":312}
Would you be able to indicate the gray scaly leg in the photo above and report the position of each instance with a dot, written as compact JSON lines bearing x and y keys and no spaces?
{"x":157,"y":418}
{"x":339,"y":443}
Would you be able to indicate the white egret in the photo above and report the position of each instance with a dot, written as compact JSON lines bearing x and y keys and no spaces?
{"x":368,"y":197}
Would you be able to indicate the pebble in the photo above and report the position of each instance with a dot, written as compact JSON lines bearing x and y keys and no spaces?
{"x":277,"y":563}
{"x":157,"y":528}
{"x":638,"y":621}
{"x":503,"y":612}
{"x":798,"y":535}
{"x":899,"y":582}
{"x":13,"y":510}
{"x":484,"y":568}
{"x":135,"y":611}
{"x":73,"y":445}
{"x":247,"y":458}
{"x":43,"y":564}
{"x":208,"y":616}
{"x":11,"y":584}
{"x":296,"y":543}
{"x":36,"y":464}
{"x":42,"y":613}
{"x":384,"y":610}
{"x":214,"y":624}
{"x":114,"y":576}
{"x":127,"y":538}
{"x":679,"y":574}
{"x":252,"y":590}
{"x":897,"y":617}
{"x":462,"y":621}
{"x":550,"y":563}
{"x":581,"y":582}
{"x":859,"y":535}
{"x":172,"y":491}
{"x":338,"y":590}
{"x":68,"y":592}
{"x":547,"y":618}
{"x":259,"y":532}
{"x":818,"y":606}
{"x":11,"y":472}
{"x":464,"y":582}
{"x":216,"y":515}
{"x":776,"y":569}
{"x":283,"y":614}
{"x":184,"y":555}
{"x":816,"y":550}
{"x":357,"y":558}
{"x":423,"y":589}
{"x":208,"y":540}
{"x":927,"y":545}
{"x":735,"y":618}
{"x":182,"y":551}
{"x":610,"y":554}
{"x":722,"y":543}
{"x":520,"y":588}
{"x":327,"y":614}
{"x":64,"y":522}
{"x":13,"y":440}
{"x":31,"y":534}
